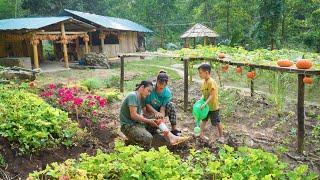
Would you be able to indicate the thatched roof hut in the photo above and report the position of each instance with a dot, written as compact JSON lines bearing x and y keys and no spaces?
{"x":199,"y":30}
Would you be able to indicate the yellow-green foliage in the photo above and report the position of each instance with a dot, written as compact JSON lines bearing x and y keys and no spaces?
{"x":132,"y":162}
{"x":239,"y":54}
{"x":30,"y":123}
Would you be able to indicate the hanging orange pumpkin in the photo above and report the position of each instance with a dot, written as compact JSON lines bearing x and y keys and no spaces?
{"x":221,"y":55}
{"x":251,"y":74}
{"x":307,"y":80}
{"x":238,"y":69}
{"x":225,"y":67}
{"x":304,"y":64}
{"x":284,"y":63}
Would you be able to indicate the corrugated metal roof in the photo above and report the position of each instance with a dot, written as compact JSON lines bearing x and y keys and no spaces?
{"x":30,"y":23}
{"x":110,"y":22}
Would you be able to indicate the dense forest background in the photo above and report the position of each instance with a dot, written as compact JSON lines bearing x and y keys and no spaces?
{"x":271,"y":24}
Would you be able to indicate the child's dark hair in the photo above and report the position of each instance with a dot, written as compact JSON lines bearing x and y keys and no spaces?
{"x":144,"y":83}
{"x":205,"y":67}
{"x":162,"y":76}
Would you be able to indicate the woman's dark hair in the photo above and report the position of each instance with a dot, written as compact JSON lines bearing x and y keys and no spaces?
{"x":144,"y":83}
{"x":162,"y":76}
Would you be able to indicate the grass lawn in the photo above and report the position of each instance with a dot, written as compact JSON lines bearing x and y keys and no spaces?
{"x":135,"y":71}
{"x":148,"y":70}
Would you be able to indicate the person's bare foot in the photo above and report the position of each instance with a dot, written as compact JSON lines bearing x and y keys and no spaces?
{"x":178,"y":140}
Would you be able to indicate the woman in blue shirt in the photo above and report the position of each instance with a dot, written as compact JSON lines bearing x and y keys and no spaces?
{"x":158,"y":103}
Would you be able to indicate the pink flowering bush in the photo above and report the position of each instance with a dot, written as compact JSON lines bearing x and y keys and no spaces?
{"x":85,"y":107}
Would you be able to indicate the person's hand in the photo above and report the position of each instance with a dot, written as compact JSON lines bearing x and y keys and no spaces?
{"x":152,"y":123}
{"x":158,"y":115}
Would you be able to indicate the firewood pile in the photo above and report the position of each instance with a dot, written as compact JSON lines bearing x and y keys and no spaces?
{"x":96,"y":59}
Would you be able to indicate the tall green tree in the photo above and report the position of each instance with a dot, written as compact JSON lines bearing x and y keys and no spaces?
{"x":314,"y":33}
{"x":156,"y":14}
{"x":54,"y":7}
{"x":270,"y":15}
{"x":11,"y":9}
{"x":249,"y":23}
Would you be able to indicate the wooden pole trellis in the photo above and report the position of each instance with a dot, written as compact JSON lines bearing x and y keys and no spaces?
{"x":300,"y":111}
{"x":300,"y":72}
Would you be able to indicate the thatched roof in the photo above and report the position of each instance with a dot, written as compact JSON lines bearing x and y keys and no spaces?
{"x":199,"y":30}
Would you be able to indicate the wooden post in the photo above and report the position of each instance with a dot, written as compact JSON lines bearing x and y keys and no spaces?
{"x":300,"y":111}
{"x":64,"y":42}
{"x":251,"y":88}
{"x":78,"y":49}
{"x":102,"y":36}
{"x":35,"y":43}
{"x":205,"y":41}
{"x":251,"y":84}
{"x":190,"y":72}
{"x":121,"y":73}
{"x":186,"y":83}
{"x":186,"y":43}
{"x":40,"y":51}
{"x":86,"y":39}
{"x":194,"y":42}
{"x":86,"y":46}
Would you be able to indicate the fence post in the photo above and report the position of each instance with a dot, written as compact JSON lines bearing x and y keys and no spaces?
{"x":121,"y":73}
{"x":251,"y":84}
{"x":186,"y":83}
{"x":300,"y":111}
